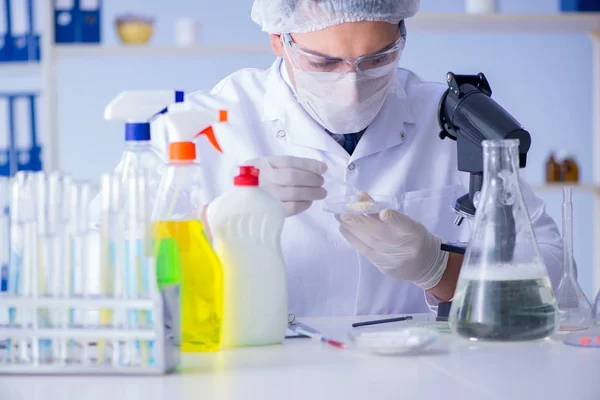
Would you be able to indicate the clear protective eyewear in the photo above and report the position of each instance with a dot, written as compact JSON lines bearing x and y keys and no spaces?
{"x":308,"y":60}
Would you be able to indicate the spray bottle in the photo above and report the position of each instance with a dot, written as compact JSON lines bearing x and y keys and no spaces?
{"x":246,"y":223}
{"x":138,"y":109}
{"x":182,"y":248}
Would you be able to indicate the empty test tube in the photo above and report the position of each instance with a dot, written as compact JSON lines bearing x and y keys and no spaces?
{"x":5,"y":190}
{"x":23,"y":258}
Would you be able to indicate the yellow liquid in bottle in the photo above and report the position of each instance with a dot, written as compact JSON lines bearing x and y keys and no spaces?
{"x":201,"y":284}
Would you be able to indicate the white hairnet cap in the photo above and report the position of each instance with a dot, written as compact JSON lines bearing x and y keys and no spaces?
{"x":300,"y":16}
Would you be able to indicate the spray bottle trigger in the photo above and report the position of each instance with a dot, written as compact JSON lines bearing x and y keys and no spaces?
{"x":223,"y":116}
{"x":210,"y":134}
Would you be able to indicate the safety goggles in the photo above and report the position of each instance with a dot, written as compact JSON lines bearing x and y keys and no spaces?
{"x":308,"y":60}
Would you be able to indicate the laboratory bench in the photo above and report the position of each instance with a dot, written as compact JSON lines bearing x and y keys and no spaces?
{"x":305,"y":369}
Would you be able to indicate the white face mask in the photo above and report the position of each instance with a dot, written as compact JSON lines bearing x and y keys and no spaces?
{"x":346,"y":105}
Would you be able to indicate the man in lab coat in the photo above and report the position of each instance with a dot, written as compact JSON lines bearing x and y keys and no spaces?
{"x":336,"y":100}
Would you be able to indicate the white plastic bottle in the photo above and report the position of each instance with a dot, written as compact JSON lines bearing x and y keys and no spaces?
{"x":246,"y":224}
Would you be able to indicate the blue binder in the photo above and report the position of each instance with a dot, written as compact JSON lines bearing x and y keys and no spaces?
{"x":33,"y":34}
{"x":89,"y":20}
{"x":5,"y":40}
{"x":65,"y":20}
{"x":5,"y":135}
{"x":579,"y":5}
{"x":31,"y":159}
{"x":77,"y":21}
{"x":19,"y":29}
{"x":21,"y":126}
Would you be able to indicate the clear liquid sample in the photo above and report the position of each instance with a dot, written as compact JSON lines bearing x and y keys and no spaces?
{"x":506,"y":309}
{"x":504,"y":292}
{"x":201,"y":283}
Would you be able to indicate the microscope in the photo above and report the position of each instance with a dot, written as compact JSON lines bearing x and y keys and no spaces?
{"x":468,"y":115}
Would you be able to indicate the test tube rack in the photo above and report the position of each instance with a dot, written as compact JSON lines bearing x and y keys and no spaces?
{"x":67,"y":349}
{"x":51,"y":320}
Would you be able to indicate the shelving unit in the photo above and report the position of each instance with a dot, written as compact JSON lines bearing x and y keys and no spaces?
{"x":557,"y":187}
{"x":69,"y":51}
{"x":585,"y":23}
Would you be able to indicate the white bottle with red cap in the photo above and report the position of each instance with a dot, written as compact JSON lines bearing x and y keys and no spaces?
{"x":246,"y":225}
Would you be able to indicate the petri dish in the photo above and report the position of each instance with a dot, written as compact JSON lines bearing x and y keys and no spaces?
{"x":589,"y":338}
{"x":403,"y":341}
{"x":353,"y":204}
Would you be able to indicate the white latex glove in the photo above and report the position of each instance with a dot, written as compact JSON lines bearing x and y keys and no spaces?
{"x":296,"y":182}
{"x":398,"y":246}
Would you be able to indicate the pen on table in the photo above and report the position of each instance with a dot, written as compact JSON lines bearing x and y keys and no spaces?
{"x":302,"y":329}
{"x":381,"y":321}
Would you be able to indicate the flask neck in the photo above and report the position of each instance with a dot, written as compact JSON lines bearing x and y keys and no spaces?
{"x":501,"y":158}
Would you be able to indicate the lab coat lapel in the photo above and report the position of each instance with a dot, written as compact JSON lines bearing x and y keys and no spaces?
{"x":388,"y":129}
{"x":293,"y":122}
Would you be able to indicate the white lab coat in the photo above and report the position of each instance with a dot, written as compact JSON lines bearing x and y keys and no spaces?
{"x":400,"y":154}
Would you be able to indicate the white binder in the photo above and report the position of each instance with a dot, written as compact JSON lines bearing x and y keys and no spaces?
{"x":19,"y":18}
{"x":4,"y":129}
{"x":89,"y":5}
{"x":23,"y":127}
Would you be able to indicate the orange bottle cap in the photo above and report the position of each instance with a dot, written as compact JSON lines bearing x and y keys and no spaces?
{"x":182,"y":151}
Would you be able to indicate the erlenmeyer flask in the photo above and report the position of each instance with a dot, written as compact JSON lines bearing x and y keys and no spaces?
{"x":596,"y":311}
{"x":504,"y":292}
{"x":574,"y":308}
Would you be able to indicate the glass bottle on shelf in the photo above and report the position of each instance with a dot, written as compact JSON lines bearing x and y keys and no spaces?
{"x":552,"y":169}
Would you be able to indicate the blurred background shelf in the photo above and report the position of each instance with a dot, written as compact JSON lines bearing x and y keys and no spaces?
{"x":510,"y":23}
{"x":557,"y":187}
{"x":14,"y":68}
{"x":79,"y":50}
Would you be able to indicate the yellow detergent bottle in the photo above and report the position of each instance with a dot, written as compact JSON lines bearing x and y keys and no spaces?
{"x":183,"y":251}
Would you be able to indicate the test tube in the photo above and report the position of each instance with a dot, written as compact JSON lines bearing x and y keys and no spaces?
{"x":63,"y":282}
{"x":22,"y":259}
{"x":5,"y":191}
{"x":80,"y":198}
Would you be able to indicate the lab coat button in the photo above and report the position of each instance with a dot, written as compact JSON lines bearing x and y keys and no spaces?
{"x":351,"y":167}
{"x":402,"y":136}
{"x":281,"y":134}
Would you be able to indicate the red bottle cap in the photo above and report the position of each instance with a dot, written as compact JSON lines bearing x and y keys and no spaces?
{"x":248,"y":177}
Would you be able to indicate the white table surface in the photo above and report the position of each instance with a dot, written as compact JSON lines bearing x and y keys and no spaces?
{"x":304,"y":369}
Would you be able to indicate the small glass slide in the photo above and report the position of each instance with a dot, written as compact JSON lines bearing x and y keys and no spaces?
{"x":354,"y":204}
{"x":394,"y":342}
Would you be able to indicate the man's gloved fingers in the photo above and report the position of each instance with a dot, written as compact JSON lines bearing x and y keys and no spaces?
{"x":363,"y":248}
{"x":295,"y":207}
{"x":304,"y":164}
{"x":396,"y":219}
{"x":296,"y":177}
{"x":292,"y":193}
{"x":368,"y":224}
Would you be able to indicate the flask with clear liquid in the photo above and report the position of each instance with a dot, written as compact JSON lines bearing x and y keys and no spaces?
{"x":574,"y":308}
{"x":504,"y":292}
